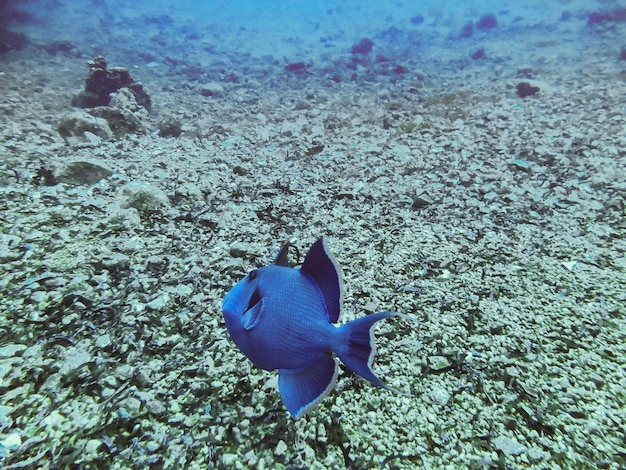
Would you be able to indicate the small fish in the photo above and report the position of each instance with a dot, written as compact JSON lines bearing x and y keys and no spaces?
{"x":284,"y":318}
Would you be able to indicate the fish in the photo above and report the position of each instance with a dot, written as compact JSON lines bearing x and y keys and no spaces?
{"x":285,"y":318}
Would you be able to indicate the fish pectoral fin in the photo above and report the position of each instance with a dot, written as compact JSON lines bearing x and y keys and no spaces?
{"x":252,"y":316}
{"x":302,"y":391}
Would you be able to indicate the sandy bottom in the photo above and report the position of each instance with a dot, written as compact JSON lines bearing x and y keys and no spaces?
{"x":497,"y":222}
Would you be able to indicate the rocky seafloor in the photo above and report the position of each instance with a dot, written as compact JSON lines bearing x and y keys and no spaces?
{"x":494,"y":220}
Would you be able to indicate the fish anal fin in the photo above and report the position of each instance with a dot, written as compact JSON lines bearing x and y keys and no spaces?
{"x":302,"y":391}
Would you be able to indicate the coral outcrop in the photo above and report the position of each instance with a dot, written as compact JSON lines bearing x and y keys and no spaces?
{"x":103,"y":80}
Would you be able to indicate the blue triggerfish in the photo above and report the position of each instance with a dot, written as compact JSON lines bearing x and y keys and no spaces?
{"x":284,"y":318}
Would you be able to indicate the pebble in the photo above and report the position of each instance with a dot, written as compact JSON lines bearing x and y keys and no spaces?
{"x":159,"y":303}
{"x":238,"y":250}
{"x":131,"y":405}
{"x":508,"y":446}
{"x":12,"y":441}
{"x":438,"y":362}
{"x":229,"y":460}
{"x":11,"y":350}
{"x":92,"y":446}
{"x":569,"y":265}
{"x":103,"y":341}
{"x":440,"y":396}
{"x":152,"y":446}
{"x":9,"y":248}
{"x":281,"y":448}
{"x":155,"y":407}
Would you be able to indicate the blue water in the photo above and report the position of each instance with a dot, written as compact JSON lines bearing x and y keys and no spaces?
{"x":294,"y":29}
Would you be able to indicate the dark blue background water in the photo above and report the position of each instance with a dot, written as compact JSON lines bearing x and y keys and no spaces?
{"x":305,"y":29}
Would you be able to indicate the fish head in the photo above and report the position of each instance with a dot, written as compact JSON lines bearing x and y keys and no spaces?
{"x":252,"y":317}
{"x":242,"y":305}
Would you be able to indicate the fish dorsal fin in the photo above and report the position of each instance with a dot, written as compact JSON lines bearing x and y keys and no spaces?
{"x":320,"y":265}
{"x":282,"y":258}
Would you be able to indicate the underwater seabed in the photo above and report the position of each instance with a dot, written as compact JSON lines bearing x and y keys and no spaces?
{"x":481,"y":194}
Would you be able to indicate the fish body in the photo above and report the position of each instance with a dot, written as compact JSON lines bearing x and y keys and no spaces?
{"x":284,"y":318}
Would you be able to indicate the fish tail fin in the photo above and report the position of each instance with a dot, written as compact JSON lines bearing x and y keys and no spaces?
{"x":358,"y":351}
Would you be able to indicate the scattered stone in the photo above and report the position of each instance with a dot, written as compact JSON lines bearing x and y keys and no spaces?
{"x":467,"y":30}
{"x":521,"y":164}
{"x":80,"y":127}
{"x":619,"y":15}
{"x":75,"y":357}
{"x":125,"y":99}
{"x":622,"y":54}
{"x":170,"y":127}
{"x":569,"y":265}
{"x":131,"y":406}
{"x":92,"y":446}
{"x":159,"y":302}
{"x":44,"y":177}
{"x":281,"y":448}
{"x":417,"y":19}
{"x":438,"y":362}
{"x":58,"y":46}
{"x":162,"y":20}
{"x":364,"y":46}
{"x":119,"y":219}
{"x":440,"y":396}
{"x":487,"y":22}
{"x":143,"y":197}
{"x":116,"y":264}
{"x":157,"y":264}
{"x":525,"y":72}
{"x":11,"y":350}
{"x":478,"y":54}
{"x":296,"y":67}
{"x":212,"y":90}
{"x":419,"y":202}
{"x":597,"y":18}
{"x":188,"y":193}
{"x":121,"y":122}
{"x":314,"y":150}
{"x":11,"y":442}
{"x":400,"y":69}
{"x":12,"y":41}
{"x":238,"y":250}
{"x":103,"y":341}
{"x":85,"y":172}
{"x":229,"y":460}
{"x":155,"y":407}
{"x":10,"y":249}
{"x":525,"y":89}
{"x":508,"y":446}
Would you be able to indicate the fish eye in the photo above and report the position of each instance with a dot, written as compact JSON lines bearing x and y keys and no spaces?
{"x":252,"y":275}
